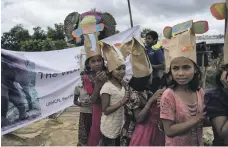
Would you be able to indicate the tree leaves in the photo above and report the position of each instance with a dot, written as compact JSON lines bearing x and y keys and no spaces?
{"x":19,"y":39}
{"x":144,"y":32}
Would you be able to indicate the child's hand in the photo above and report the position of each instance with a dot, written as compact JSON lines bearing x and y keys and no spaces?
{"x":199,"y":117}
{"x":157,"y":94}
{"x":100,"y":78}
{"x":124,"y":100}
{"x":158,"y":101}
{"x":224,"y":79}
{"x":85,"y":104}
{"x":125,"y":84}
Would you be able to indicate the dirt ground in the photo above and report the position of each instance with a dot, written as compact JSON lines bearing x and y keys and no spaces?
{"x":60,"y":132}
{"x":47,"y":132}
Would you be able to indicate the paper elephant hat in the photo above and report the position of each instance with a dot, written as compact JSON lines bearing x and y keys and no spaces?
{"x":220,"y":12}
{"x":181,"y":40}
{"x":140,"y":63}
{"x":112,"y":56}
{"x":90,"y":31}
{"x":73,"y":19}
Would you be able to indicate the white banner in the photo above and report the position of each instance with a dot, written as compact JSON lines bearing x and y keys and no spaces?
{"x":37,"y":84}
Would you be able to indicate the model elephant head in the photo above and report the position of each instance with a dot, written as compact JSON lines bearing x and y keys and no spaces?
{"x":73,"y":20}
{"x":220,"y":12}
{"x":181,"y":40}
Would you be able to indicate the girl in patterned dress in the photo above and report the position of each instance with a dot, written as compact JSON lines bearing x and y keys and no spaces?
{"x":142,"y":116}
{"x":181,"y":105}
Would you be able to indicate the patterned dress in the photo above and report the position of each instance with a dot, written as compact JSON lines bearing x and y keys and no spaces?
{"x":148,"y":133}
{"x":137,"y":100}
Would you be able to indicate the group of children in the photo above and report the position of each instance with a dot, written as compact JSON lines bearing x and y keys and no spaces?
{"x":119,"y":112}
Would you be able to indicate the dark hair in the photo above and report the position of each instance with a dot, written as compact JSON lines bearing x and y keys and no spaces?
{"x":164,"y":81}
{"x":82,"y":73}
{"x":195,"y":83}
{"x":87,"y":69}
{"x":139,"y":84}
{"x":153,"y":34}
{"x":218,"y":74}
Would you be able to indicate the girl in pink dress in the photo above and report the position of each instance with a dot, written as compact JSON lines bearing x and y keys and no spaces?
{"x":93,"y":82}
{"x":181,"y":106}
{"x":142,"y":116}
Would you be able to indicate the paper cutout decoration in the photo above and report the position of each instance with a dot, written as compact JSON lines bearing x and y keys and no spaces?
{"x":112,"y":57}
{"x":167,"y":32}
{"x":199,"y":27}
{"x":90,"y":31}
{"x":220,"y":12}
{"x":182,"y":27}
{"x":141,"y":66}
{"x":82,"y":59}
{"x":181,"y":41}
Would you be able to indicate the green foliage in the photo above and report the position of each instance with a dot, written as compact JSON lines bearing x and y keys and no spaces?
{"x":57,"y":33}
{"x":19,"y":39}
{"x":39,"y":34}
{"x":144,"y":32}
{"x":11,"y":40}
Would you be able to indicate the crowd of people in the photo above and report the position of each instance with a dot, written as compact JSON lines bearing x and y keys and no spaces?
{"x":156,"y":110}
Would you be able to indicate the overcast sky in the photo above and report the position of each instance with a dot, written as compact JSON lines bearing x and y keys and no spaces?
{"x":153,"y":14}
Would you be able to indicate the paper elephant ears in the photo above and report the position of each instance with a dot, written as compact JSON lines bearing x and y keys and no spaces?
{"x":71,"y":23}
{"x":199,"y":27}
{"x":218,"y":10}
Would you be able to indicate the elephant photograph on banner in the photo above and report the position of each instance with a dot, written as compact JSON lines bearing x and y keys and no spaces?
{"x":19,"y":102}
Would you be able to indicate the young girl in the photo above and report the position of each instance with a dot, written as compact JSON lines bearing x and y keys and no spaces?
{"x":93,"y":80}
{"x":85,"y":117}
{"x":145,"y":114}
{"x":113,"y":98}
{"x":181,"y":106}
{"x":217,"y":107}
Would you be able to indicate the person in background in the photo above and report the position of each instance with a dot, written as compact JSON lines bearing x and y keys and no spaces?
{"x":85,"y":117}
{"x":114,"y":97}
{"x":155,"y":53}
{"x":182,"y":105}
{"x":217,"y":107}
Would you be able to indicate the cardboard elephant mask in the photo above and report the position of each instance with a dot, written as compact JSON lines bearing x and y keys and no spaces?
{"x":220,"y":12}
{"x":90,"y":31}
{"x":73,"y":20}
{"x":181,"y":40}
{"x":134,"y":48}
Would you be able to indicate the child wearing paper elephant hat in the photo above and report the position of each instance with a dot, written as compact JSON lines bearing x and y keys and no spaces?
{"x":182,"y":104}
{"x":95,"y":70}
